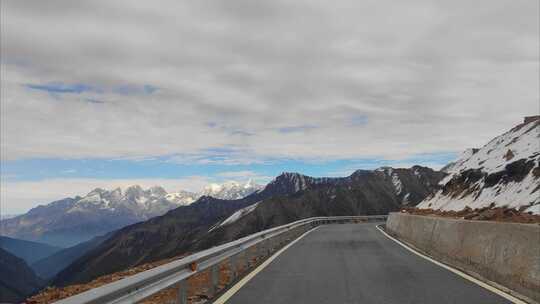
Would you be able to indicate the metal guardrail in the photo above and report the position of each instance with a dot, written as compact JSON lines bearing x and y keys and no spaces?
{"x":174,"y":274}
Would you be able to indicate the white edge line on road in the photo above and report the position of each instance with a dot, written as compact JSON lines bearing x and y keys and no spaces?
{"x":234,"y":289}
{"x":456,"y":271}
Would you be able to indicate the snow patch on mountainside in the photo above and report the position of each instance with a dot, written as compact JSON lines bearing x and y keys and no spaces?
{"x":239,"y":214}
{"x":396,"y":181}
{"x":503,"y":173}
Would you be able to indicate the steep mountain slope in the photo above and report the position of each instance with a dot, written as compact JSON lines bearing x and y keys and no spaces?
{"x":503,"y":173}
{"x":26,"y":250}
{"x":70,"y":221}
{"x":200,"y":225}
{"x":49,"y":266}
{"x":17,"y":280}
{"x":362,"y":193}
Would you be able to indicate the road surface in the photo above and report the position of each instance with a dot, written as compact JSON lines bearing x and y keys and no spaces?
{"x":356,"y":264}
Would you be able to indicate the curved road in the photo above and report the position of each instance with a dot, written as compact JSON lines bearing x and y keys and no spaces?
{"x":356,"y":264}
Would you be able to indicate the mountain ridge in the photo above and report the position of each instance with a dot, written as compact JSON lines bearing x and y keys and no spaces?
{"x":505,"y":172}
{"x":17,"y":281}
{"x":70,"y":221}
{"x":289,"y":196}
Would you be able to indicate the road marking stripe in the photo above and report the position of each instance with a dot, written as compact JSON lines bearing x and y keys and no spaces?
{"x":229,"y":293}
{"x":456,"y":271}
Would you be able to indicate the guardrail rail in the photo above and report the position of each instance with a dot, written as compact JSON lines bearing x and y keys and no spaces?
{"x":242,"y":254}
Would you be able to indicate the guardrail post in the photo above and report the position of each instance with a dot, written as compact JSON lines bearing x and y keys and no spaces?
{"x":261,"y":252}
{"x":238,"y":262}
{"x":181,"y":292}
{"x":214,"y":279}
{"x":234,"y":266}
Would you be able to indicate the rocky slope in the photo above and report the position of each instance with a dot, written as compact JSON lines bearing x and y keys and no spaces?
{"x":17,"y":280}
{"x":70,"y":221}
{"x":503,"y":173}
{"x":209,"y":221}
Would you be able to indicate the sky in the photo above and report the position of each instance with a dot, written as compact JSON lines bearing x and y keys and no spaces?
{"x":180,"y":94}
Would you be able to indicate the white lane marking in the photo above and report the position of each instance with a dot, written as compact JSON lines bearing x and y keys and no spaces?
{"x":229,"y":293}
{"x":458,"y":272}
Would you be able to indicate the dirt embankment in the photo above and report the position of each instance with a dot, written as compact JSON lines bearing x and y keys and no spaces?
{"x":198,"y":285}
{"x":52,"y":294}
{"x":484,"y":214}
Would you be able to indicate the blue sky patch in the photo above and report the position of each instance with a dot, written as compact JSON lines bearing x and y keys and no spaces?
{"x":212,"y":167}
{"x":62,"y":88}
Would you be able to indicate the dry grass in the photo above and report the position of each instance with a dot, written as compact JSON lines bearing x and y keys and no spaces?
{"x":483,"y":214}
{"x":198,"y":291}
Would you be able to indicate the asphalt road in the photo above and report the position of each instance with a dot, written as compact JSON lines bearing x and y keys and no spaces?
{"x":356,"y":264}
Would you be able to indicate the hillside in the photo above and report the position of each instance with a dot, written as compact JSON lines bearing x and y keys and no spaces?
{"x":17,"y":280}
{"x":30,"y":252}
{"x":503,"y":173}
{"x":209,"y":222}
{"x":49,"y":266}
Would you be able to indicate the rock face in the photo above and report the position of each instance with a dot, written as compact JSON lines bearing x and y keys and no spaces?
{"x":17,"y":280}
{"x":210,"y":221}
{"x":503,"y":173}
{"x":71,"y":221}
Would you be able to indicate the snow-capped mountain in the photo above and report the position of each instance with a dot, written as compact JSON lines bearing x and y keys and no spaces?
{"x":182,"y":198}
{"x":141,"y":203}
{"x":74,"y":220}
{"x":230,"y":190}
{"x":503,"y":173}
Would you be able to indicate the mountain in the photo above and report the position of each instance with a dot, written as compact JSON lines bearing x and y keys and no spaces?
{"x":230,"y":190}
{"x":503,"y":173}
{"x":73,"y":220}
{"x":47,"y":267}
{"x":288,"y":197}
{"x":363,"y":193}
{"x":7,"y":216}
{"x":70,"y":221}
{"x":26,"y":250}
{"x":17,"y":280}
{"x":182,"y":198}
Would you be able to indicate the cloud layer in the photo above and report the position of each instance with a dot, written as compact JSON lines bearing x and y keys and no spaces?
{"x":301,"y":79}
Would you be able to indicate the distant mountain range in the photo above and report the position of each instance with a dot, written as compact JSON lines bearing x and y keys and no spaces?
{"x":70,"y":221}
{"x":503,"y":173}
{"x":210,"y":221}
{"x":230,"y":190}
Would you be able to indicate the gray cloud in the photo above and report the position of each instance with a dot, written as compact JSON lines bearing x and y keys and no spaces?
{"x":377,"y":78}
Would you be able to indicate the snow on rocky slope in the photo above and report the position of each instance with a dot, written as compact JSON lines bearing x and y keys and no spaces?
{"x":503,"y":173}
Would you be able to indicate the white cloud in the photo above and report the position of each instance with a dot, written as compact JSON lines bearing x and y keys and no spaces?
{"x":423,"y":76}
{"x":245,"y":175}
